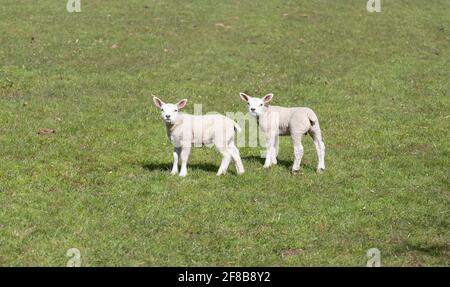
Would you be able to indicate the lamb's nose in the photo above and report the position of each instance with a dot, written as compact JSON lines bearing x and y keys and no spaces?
{"x":167,"y":116}
{"x":252,"y":109}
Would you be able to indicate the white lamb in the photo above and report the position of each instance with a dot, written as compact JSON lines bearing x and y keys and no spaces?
{"x":277,"y":121}
{"x":184,"y":130}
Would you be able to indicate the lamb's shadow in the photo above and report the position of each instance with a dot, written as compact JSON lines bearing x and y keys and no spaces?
{"x":281,"y":162}
{"x":168,"y":166}
{"x":437,"y":250}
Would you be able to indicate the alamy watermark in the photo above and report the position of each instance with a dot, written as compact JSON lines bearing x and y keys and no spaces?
{"x":255,"y":136}
{"x":374,"y":6}
{"x":374,"y":255}
{"x":73,"y":6}
{"x":75,"y":257}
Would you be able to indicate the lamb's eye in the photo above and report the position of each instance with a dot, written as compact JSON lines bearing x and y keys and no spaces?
{"x":162,"y":110}
{"x":248,"y":104}
{"x":176,"y":111}
{"x":261,"y":105}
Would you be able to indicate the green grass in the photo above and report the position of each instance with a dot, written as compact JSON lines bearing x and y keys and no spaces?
{"x":379,"y":83}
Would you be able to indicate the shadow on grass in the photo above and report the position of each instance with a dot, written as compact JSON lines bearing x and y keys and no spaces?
{"x":284,"y":163}
{"x":437,"y":250}
{"x":430,"y":249}
{"x":168,"y":166}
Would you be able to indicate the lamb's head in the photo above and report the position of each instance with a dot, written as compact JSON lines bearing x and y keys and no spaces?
{"x":169,"y":112}
{"x":256,"y":105}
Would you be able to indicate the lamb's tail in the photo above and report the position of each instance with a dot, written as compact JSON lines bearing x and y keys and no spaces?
{"x":237,"y":127}
{"x":312,"y":117}
{"x":314,"y":130}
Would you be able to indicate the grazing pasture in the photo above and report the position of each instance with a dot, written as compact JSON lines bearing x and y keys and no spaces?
{"x":85,"y":162}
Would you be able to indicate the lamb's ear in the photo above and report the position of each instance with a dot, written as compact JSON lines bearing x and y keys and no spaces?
{"x":267,"y":98}
{"x":244,"y":97}
{"x":181,"y":104}
{"x":157,"y":101}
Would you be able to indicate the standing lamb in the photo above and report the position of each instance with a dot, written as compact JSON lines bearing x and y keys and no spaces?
{"x":184,"y":130}
{"x":277,"y":121}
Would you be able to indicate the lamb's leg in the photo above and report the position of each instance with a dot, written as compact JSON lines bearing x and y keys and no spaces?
{"x":298,"y":151}
{"x":226,"y":158}
{"x":270,"y":142}
{"x":273,"y":158}
{"x":236,"y":158}
{"x":176,"y":155}
{"x":185,"y":151}
{"x":320,"y":149}
{"x":316,"y":135}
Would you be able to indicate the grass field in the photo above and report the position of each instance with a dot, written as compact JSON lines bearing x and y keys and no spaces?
{"x":379,"y":83}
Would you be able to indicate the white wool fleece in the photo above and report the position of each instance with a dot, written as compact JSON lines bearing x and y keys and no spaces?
{"x":184,"y":130}
{"x":277,"y":121}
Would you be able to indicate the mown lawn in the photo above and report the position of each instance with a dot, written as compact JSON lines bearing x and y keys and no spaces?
{"x":100,"y":183}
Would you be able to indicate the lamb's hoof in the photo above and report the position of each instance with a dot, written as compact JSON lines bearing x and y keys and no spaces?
{"x":240,"y":172}
{"x":320,"y":170}
{"x":182,"y":174}
{"x":266,"y":166}
{"x":174,"y":172}
{"x":295,"y":171}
